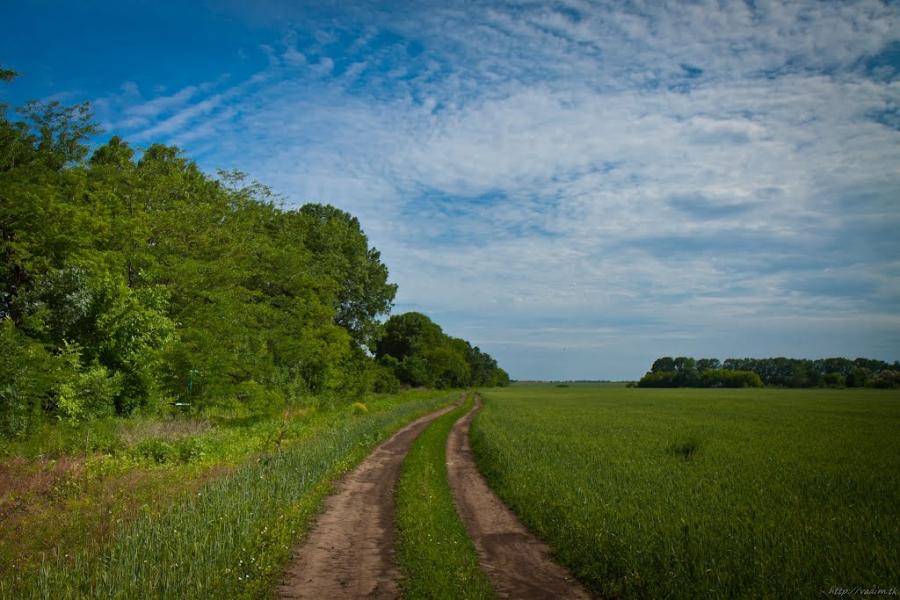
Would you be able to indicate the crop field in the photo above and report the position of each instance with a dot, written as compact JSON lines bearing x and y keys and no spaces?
{"x":685,"y":493}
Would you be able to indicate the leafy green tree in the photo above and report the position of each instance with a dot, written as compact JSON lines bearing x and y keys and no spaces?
{"x":706,"y":364}
{"x":361,"y":291}
{"x":665,"y":364}
{"x":130,"y":281}
{"x":422,"y":355}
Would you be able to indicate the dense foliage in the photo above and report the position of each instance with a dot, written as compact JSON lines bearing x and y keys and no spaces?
{"x":133,"y":282}
{"x":417,"y":352}
{"x":784,"y":372}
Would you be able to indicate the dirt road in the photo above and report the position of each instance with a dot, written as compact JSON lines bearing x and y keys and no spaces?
{"x":517,"y":563}
{"x":350,"y":551}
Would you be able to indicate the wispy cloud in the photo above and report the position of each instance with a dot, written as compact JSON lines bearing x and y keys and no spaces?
{"x":716,"y":178}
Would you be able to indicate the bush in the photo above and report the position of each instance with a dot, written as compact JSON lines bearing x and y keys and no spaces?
{"x":385,"y":382}
{"x":189,"y":449}
{"x":886,"y":379}
{"x":660,"y":379}
{"x":858,"y":377}
{"x":28,"y":374}
{"x":260,"y":398}
{"x":88,"y":395}
{"x":730,"y":379}
{"x":157,"y":450}
{"x":834,"y":380}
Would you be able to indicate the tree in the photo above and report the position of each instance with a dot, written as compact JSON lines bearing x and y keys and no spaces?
{"x":706,"y":364}
{"x":360,"y":280}
{"x":129,"y":282}
{"x":420,"y":354}
{"x":666,"y":364}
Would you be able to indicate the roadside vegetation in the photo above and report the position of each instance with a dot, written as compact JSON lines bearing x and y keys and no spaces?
{"x":436,"y":555}
{"x":722,"y":493}
{"x":230,"y":537}
{"x":163,"y":330}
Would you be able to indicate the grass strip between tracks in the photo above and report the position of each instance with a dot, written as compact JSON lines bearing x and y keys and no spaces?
{"x":436,"y":556}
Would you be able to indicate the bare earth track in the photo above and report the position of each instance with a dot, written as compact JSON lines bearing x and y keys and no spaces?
{"x":350,"y":551}
{"x":517,"y":564}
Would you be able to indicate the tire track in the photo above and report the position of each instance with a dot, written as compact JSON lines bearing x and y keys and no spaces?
{"x":516,"y":562}
{"x":349,"y":553}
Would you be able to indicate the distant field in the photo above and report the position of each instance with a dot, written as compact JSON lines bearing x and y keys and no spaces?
{"x":684,"y":493}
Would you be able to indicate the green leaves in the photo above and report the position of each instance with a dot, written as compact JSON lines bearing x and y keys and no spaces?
{"x":420,"y":354}
{"x":176,"y":286}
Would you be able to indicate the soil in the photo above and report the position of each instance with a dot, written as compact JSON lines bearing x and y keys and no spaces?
{"x":350,"y":551}
{"x":517,"y":563}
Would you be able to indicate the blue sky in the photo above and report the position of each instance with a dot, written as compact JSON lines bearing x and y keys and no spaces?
{"x":576,"y":187}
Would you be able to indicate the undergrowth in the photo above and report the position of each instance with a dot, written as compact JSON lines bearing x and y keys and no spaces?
{"x":229,"y":537}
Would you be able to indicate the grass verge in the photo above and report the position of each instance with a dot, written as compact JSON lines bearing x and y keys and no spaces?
{"x":436,"y":556}
{"x":230,"y":538}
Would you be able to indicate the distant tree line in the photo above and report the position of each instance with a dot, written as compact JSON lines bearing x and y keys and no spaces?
{"x":131,"y":282}
{"x":782,"y":372}
{"x":414,"y":350}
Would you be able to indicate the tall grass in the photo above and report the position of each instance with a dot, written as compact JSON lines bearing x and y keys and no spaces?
{"x":436,"y":556}
{"x":230,"y":539}
{"x":702,"y":493}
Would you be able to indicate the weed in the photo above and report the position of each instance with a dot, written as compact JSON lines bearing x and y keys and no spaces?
{"x":684,"y":448}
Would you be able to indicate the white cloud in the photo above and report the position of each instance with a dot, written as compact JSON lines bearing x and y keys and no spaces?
{"x":535,"y":164}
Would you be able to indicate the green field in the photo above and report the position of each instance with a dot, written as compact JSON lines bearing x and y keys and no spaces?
{"x":686,"y":493}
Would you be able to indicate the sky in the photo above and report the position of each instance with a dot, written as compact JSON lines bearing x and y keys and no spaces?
{"x":576,"y":187}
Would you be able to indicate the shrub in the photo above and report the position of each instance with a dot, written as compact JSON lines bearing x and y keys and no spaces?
{"x":27,"y":376}
{"x":88,"y":395}
{"x":385,"y":382}
{"x":858,"y":377}
{"x":260,"y":398}
{"x":658,"y":379}
{"x":156,"y":450}
{"x":730,"y":379}
{"x":189,"y":449}
{"x":834,"y":380}
{"x":885,"y":379}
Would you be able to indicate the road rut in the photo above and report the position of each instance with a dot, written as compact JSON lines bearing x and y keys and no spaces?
{"x":350,"y":551}
{"x":517,"y":563}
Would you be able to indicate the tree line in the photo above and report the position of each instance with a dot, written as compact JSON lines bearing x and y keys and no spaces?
{"x":781,"y":372}
{"x":415,"y":351}
{"x":131,"y":281}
